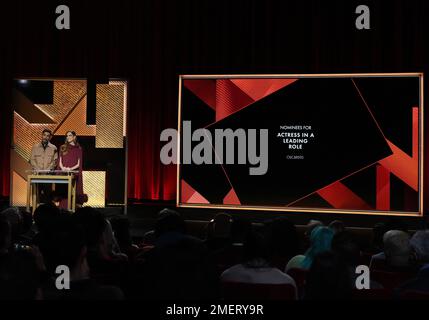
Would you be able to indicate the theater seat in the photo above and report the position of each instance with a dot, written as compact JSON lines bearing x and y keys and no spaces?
{"x":414,"y":295}
{"x":257,"y":291}
{"x":391,"y":280}
{"x":377,"y":264}
{"x":371,"y":294}
{"x":299,"y":275}
{"x":365,"y":258}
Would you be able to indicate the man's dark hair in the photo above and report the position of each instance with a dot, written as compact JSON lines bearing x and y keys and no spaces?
{"x":65,"y":243}
{"x":169,"y":221}
{"x":240,"y":228}
{"x":47,"y":130}
{"x":255,"y":247}
{"x":337,"y":226}
{"x":93,"y":224}
{"x":328,"y":278}
{"x":344,"y":245}
{"x":44,"y":216}
{"x":70,"y":242}
{"x":282,"y":237}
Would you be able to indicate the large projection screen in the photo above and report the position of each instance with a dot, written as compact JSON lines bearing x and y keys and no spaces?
{"x":336,"y":143}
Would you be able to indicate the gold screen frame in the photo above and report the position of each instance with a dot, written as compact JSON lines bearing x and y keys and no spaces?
{"x":420,"y":212}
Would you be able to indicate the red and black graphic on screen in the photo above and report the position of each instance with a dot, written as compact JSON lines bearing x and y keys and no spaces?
{"x":364,"y":153}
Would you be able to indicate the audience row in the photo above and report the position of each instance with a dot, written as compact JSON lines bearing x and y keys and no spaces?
{"x":235,"y":260}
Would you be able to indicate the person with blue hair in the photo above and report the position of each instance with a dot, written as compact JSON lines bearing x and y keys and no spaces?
{"x":320,"y":241}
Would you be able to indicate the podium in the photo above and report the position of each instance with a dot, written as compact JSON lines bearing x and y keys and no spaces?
{"x":37,"y":177}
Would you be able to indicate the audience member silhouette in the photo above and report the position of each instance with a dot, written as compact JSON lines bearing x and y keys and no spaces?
{"x":176,"y":266}
{"x":282,"y":240}
{"x":320,"y":239}
{"x":256,"y":267}
{"x":69,"y":248}
{"x":328,"y":278}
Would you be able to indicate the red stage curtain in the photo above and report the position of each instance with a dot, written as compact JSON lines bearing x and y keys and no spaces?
{"x":5,"y":125}
{"x":148,"y":178}
{"x":4,"y":156}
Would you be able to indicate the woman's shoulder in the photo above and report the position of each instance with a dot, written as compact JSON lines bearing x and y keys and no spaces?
{"x":75,"y":146}
{"x":295,"y":262}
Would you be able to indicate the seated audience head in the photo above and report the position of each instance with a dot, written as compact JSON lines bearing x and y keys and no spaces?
{"x":282,"y":238}
{"x":240,"y":228}
{"x":337,"y":226}
{"x":169,"y":221}
{"x":320,"y":241}
{"x":346,"y":248}
{"x":310,"y":226}
{"x":328,"y":278}
{"x":44,"y":215}
{"x":93,"y":224}
{"x":5,"y":236}
{"x":13,"y":215}
{"x":19,"y":276}
{"x":68,"y":247}
{"x":220,"y":226}
{"x":420,"y":244}
{"x":397,"y":248}
{"x":255,"y":249}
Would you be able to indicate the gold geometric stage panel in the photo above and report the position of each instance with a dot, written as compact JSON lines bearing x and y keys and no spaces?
{"x":67,"y":93}
{"x":76,"y":121}
{"x":94,"y":185}
{"x":19,"y":183}
{"x":26,"y":134}
{"x":69,"y":101}
{"x":68,"y":112}
{"x":110,"y":115}
{"x":19,"y":190}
